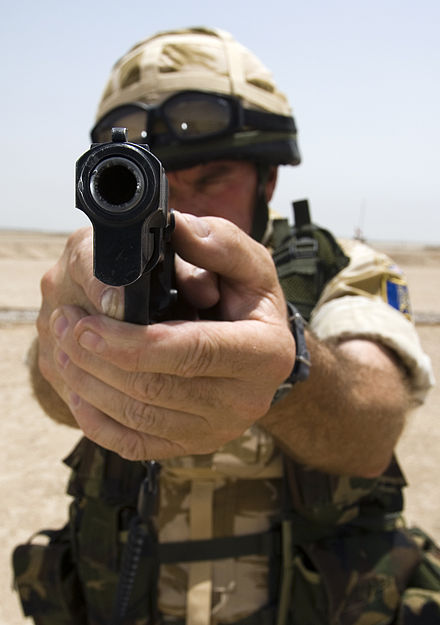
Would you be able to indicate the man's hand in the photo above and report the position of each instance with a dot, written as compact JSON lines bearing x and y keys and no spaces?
{"x":175,"y":388}
{"x":70,"y":281}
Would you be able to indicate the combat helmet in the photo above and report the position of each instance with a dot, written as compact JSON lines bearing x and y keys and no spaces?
{"x":195,"y":95}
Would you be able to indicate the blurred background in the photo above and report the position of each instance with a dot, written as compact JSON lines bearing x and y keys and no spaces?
{"x":362,"y":77}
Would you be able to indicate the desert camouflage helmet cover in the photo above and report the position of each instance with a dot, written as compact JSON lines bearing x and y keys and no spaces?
{"x":209,"y":60}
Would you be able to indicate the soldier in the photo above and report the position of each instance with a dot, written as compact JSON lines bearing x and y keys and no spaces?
{"x":280,"y":498}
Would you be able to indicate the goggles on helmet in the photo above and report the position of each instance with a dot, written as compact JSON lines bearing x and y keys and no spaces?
{"x":187,"y":116}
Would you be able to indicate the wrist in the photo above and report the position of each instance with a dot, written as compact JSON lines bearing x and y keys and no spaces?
{"x":301,"y":366}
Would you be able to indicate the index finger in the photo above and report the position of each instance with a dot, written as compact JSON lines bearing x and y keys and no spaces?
{"x":182,"y":348}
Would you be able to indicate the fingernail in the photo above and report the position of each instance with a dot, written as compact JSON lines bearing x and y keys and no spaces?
{"x":92,"y":342}
{"x":60,"y":326}
{"x":74,"y":400}
{"x":198,"y":225}
{"x":111,"y":303}
{"x":62,"y":358}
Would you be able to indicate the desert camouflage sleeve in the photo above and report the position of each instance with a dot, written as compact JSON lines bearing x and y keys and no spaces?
{"x":369,"y":299}
{"x":48,"y":399}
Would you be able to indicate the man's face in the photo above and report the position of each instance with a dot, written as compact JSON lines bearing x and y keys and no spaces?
{"x":224,"y":188}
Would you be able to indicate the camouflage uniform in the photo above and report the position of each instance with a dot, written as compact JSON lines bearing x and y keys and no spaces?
{"x":345,"y":557}
{"x":223,"y":486}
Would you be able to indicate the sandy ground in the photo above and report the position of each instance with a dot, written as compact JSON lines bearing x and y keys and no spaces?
{"x":32,"y":477}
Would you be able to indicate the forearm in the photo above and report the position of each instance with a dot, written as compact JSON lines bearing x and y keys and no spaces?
{"x":48,"y":399}
{"x":347,"y":417}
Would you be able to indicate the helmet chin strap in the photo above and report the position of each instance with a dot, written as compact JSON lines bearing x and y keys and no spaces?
{"x":261,"y":208}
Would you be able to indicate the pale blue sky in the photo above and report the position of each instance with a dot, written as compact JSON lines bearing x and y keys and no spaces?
{"x":362,"y":76}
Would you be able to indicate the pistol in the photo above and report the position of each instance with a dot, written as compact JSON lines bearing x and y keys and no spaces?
{"x":123,"y":190}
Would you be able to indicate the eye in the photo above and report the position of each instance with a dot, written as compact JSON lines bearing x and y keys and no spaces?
{"x":210,"y":183}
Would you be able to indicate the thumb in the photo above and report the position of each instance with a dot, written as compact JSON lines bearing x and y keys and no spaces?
{"x":217,"y":245}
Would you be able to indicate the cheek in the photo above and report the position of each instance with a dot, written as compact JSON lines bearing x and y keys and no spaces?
{"x":238,"y":206}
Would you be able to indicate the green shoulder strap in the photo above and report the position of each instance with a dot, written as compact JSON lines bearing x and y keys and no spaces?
{"x":306,"y":257}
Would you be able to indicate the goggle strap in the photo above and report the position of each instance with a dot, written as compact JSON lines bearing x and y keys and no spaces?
{"x":261,"y":120}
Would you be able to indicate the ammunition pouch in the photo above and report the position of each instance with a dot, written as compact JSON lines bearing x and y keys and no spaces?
{"x":352,"y":558}
{"x":47,"y":580}
{"x":88,"y":549}
{"x":354,"y":577}
{"x":105,"y":489}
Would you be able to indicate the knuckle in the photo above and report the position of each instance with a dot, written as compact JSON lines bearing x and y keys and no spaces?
{"x":130,"y":447}
{"x":137,"y":446}
{"x":248,"y":411}
{"x":47,"y":282}
{"x":223,"y":435}
{"x":45,"y":367}
{"x":76,"y":238}
{"x":149,"y":388}
{"x":195,"y":362}
{"x":91,"y":428}
{"x":42,"y":325}
{"x":80,"y":261}
{"x":139,"y":416}
{"x":235,"y":239}
{"x":74,"y":251}
{"x":251,"y":404}
{"x":283,"y":363}
{"x":75,"y":261}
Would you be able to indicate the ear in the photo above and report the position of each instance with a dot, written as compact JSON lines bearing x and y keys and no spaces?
{"x":271,"y":182}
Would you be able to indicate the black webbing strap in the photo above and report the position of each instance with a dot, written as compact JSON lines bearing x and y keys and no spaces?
{"x":301,"y":213}
{"x":266,"y":544}
{"x":265,"y":616}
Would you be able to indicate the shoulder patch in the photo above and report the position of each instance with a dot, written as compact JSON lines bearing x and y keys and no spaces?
{"x":395,"y":293}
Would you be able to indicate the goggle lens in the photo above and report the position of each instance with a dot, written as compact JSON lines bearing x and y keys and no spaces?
{"x":197,"y":117}
{"x":186,"y":116}
{"x":132,"y":119}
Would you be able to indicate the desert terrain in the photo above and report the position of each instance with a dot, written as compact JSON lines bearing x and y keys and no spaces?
{"x":32,"y":476}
